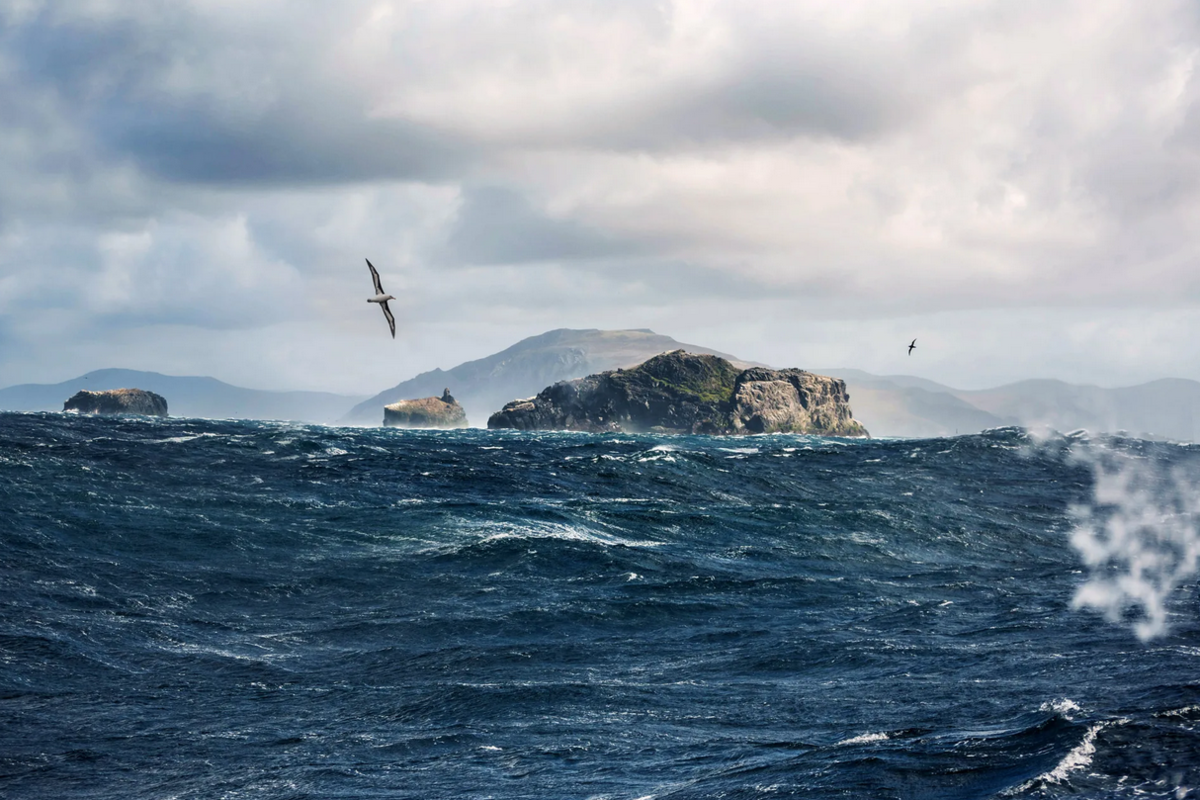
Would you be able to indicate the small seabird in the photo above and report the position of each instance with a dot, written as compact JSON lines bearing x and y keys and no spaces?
{"x":911,"y":347}
{"x":381,"y":298}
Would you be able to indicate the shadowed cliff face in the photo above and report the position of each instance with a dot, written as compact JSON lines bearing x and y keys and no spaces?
{"x":118,"y":401}
{"x":681,"y":392}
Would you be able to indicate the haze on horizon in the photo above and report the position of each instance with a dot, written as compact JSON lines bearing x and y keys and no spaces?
{"x":191,"y":188}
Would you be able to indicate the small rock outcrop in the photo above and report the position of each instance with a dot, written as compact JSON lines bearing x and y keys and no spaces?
{"x":681,"y":392}
{"x":118,"y":401}
{"x":427,"y":412}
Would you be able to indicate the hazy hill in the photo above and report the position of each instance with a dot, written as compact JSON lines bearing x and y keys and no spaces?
{"x":1167,"y":408}
{"x":186,"y":397}
{"x":903,"y":405}
{"x":483,"y":386}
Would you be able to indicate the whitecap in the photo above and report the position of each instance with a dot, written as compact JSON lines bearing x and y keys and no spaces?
{"x":1186,"y":711}
{"x":1079,"y":757}
{"x":178,"y":439}
{"x":864,"y":738}
{"x":1064,"y":706}
{"x":567,"y":533}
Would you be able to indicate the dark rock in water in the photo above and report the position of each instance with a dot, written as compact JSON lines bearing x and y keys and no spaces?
{"x":118,"y":401}
{"x":427,"y":412}
{"x":681,"y":392}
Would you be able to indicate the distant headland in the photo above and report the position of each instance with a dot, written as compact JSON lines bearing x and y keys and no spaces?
{"x":117,"y":401}
{"x":426,"y":412}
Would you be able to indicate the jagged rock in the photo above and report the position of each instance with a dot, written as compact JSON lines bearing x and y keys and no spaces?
{"x":427,"y":412}
{"x":118,"y":401}
{"x":680,"y":392}
{"x":792,"y":401}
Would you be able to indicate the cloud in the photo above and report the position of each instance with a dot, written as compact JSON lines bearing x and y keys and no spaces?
{"x":574,"y":161}
{"x":205,"y":273}
{"x":496,"y":225}
{"x":219,"y":97}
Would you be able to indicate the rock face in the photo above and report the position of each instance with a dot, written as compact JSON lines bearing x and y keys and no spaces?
{"x":681,"y":392}
{"x":427,"y":412}
{"x":118,"y":401}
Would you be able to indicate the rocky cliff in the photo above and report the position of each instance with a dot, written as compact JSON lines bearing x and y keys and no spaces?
{"x":427,"y":412}
{"x":681,"y":392}
{"x":118,"y":401}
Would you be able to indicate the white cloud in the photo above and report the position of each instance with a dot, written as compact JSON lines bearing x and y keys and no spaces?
{"x":699,"y":166}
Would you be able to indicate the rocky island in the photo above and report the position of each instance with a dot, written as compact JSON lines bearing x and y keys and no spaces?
{"x":117,"y":401}
{"x":680,"y":392}
{"x":426,"y":412}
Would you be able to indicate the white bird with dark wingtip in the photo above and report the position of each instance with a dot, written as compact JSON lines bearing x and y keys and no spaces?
{"x":381,"y":298}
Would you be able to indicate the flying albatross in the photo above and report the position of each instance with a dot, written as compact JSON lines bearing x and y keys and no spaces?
{"x":911,"y":347}
{"x":381,"y":298}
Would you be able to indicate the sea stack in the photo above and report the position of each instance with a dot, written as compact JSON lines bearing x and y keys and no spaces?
{"x":427,"y":412}
{"x":118,"y":401}
{"x":680,"y":392}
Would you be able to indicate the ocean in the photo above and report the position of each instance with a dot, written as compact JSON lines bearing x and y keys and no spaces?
{"x":240,"y":609}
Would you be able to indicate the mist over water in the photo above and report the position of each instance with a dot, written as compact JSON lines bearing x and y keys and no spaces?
{"x":1139,"y":534}
{"x":199,"y":608}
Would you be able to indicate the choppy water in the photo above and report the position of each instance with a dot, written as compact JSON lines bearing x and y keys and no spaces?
{"x":222,"y":609}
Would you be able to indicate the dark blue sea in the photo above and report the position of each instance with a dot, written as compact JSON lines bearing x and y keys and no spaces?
{"x":237,"y":609}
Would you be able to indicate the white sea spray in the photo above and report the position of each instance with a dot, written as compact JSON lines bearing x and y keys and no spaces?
{"x":1138,"y":535}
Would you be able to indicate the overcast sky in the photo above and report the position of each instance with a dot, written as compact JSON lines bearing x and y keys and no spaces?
{"x":191,"y":187}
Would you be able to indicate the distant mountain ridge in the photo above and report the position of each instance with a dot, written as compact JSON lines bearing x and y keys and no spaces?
{"x":484,"y":385}
{"x":1167,"y":408}
{"x":187,"y":396}
{"x":887,"y":405}
{"x":903,"y":405}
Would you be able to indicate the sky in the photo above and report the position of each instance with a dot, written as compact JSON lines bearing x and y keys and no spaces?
{"x":192,"y":187}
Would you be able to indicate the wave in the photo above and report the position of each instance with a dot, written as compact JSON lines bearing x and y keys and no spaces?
{"x":228,"y":605}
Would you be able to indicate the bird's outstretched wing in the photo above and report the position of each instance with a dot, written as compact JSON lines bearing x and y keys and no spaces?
{"x":914,"y":343}
{"x":387,"y":312}
{"x":375,"y":278}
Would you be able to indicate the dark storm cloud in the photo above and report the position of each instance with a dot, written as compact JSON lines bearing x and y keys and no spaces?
{"x":192,"y":101}
{"x":293,"y":143}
